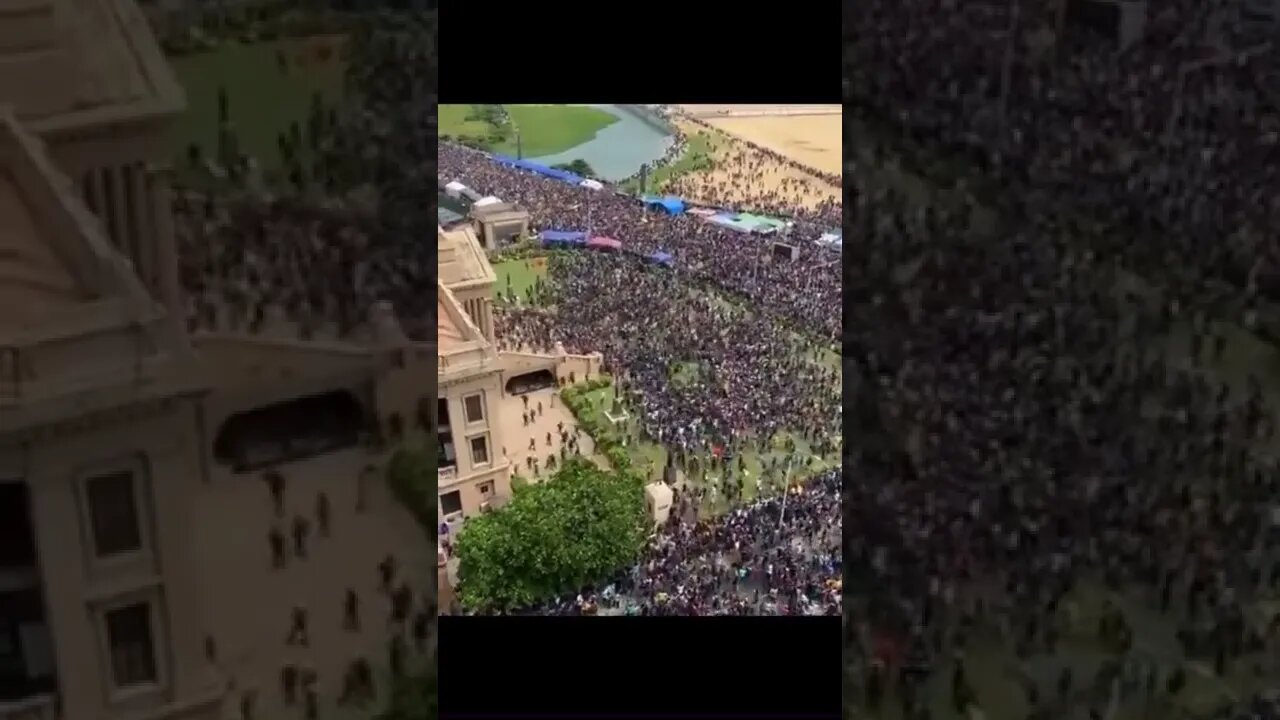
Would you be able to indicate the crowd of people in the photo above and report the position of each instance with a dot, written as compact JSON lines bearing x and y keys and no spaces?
{"x":754,"y":328}
{"x":346,"y":234}
{"x":1051,"y":386}
{"x":773,"y":557}
{"x":753,"y":377}
{"x":744,"y":175}
{"x":805,"y":291}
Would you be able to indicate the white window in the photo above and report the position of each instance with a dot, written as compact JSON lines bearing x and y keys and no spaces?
{"x":114,"y":521}
{"x":473,"y":407}
{"x":131,"y":644}
{"x":480,"y":450}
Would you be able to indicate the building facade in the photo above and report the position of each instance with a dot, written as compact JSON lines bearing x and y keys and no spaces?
{"x":148,"y":570}
{"x":474,"y":474}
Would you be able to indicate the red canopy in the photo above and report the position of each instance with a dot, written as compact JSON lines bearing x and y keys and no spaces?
{"x":604,"y":243}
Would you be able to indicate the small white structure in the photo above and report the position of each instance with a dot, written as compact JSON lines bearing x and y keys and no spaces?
{"x":454,"y":189}
{"x":487,"y":200}
{"x":657,"y":498}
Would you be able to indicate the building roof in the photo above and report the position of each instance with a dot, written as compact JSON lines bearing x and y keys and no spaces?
{"x":491,"y":210}
{"x":65,"y":64}
{"x":460,"y":260}
{"x":54,"y":256}
{"x":34,"y":281}
{"x":455,"y":332}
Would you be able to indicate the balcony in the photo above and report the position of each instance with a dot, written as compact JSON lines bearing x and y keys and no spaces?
{"x":448,"y":474}
{"x":36,"y":707}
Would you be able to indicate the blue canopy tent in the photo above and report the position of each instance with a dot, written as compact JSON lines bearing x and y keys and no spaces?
{"x":669,"y":204}
{"x":663,"y":258}
{"x":562,"y":237}
{"x":539,"y":169}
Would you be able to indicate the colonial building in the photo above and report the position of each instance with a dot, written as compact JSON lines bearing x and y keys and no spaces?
{"x":498,"y":224}
{"x":474,"y":474}
{"x":170,"y":505}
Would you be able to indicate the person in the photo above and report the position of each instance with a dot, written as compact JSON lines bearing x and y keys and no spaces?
{"x":351,"y":611}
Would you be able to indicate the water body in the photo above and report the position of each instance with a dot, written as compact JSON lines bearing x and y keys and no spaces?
{"x":618,"y":151}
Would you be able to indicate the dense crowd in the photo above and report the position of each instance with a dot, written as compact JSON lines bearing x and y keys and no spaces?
{"x":754,"y":376}
{"x":1053,"y":383}
{"x":805,"y":291}
{"x":774,"y":557}
{"x":748,"y":176}
{"x":346,"y":234}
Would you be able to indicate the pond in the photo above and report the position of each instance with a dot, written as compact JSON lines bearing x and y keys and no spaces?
{"x":618,"y":151}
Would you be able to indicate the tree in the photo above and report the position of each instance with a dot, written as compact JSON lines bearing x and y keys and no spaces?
{"x":577,"y":167}
{"x":414,"y":481}
{"x":554,"y":537}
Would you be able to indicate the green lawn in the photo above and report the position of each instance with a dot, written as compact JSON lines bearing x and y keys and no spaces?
{"x":518,"y":276}
{"x":697,"y":156}
{"x":648,"y":458}
{"x":551,"y":129}
{"x":264,"y":99}
{"x":454,"y":122}
{"x":544,"y":129}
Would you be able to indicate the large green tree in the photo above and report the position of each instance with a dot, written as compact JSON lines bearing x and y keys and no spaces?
{"x":578,"y":166}
{"x":415,"y":482}
{"x":571,"y":530}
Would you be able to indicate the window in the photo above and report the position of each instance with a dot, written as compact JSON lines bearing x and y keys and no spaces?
{"x":473,"y":405}
{"x":486,"y":489}
{"x":113,"y":514}
{"x":451,"y":502}
{"x":479,"y":450}
{"x":132,"y":646}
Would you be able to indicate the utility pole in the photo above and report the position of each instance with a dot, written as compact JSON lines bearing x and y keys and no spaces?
{"x":519,"y":147}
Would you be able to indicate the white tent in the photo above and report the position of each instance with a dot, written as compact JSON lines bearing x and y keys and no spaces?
{"x":454,"y":189}
{"x":832,"y":240}
{"x":486,"y":201}
{"x":658,"y":498}
{"x":591,"y":184}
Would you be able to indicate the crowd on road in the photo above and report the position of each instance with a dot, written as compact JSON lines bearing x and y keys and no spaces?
{"x":1062,"y":407}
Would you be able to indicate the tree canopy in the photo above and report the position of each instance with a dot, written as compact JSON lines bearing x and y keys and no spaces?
{"x":577,"y":166}
{"x":553,"y":537}
{"x":414,"y":480}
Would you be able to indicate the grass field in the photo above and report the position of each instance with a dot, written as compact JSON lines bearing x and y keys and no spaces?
{"x":264,"y":99}
{"x":544,"y":129}
{"x":697,"y":157}
{"x":518,"y":276}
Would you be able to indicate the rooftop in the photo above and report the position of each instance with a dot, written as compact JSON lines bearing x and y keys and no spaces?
{"x":460,"y":260}
{"x":69,"y":63}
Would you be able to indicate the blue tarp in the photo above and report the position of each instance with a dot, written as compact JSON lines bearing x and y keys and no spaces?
{"x":539,"y":169}
{"x":562,"y":237}
{"x":671,"y":204}
{"x":554,"y":235}
{"x":663,"y":258}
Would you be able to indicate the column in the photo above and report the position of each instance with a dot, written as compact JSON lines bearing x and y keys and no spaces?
{"x":169,"y":293}
{"x":113,"y":181}
{"x":142,"y":227}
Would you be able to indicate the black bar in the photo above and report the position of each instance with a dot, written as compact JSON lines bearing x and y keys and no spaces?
{"x":710,"y":667}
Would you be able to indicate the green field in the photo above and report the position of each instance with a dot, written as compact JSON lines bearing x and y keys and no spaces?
{"x":544,"y":129}
{"x":697,"y":156}
{"x":517,"y":276}
{"x":264,"y":98}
